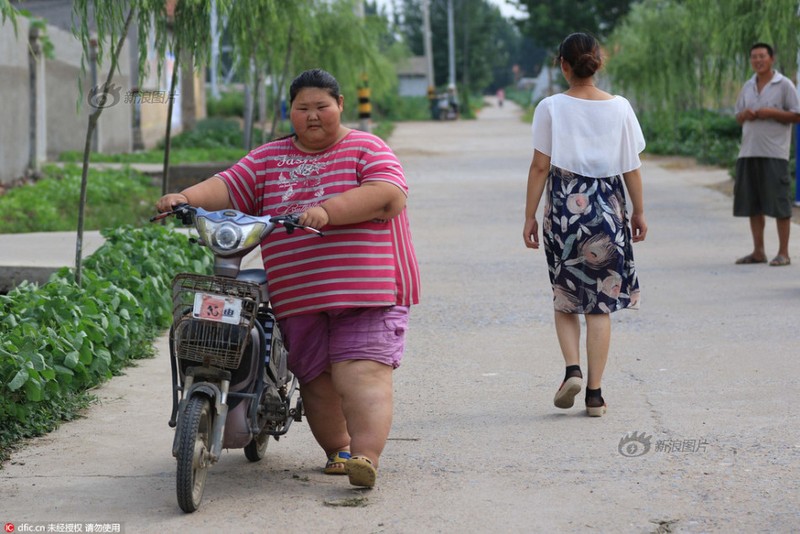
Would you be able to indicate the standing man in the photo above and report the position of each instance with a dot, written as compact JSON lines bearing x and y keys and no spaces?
{"x":766,"y":108}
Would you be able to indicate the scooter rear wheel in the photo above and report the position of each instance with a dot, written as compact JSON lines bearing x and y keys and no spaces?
{"x":195,"y":428}
{"x":257,"y":448}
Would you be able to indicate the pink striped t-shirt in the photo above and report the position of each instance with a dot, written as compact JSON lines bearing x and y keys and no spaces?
{"x":359,"y":265}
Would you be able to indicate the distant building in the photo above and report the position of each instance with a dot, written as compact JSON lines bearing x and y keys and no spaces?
{"x":413,"y":77}
{"x":45,"y":115}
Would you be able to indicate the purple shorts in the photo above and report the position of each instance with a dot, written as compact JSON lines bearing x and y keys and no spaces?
{"x":317,"y":340}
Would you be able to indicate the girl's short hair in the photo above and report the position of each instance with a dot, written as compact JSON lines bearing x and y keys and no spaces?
{"x":317,"y":78}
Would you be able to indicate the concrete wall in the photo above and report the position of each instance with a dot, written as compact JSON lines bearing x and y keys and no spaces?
{"x":14,"y":91}
{"x":68,"y":123}
{"x":48,"y":119}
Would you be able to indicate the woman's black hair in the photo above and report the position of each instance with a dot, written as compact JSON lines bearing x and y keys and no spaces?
{"x":317,"y":78}
{"x":582,"y":52}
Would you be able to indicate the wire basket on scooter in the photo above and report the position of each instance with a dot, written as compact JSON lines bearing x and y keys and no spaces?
{"x":212,"y":318}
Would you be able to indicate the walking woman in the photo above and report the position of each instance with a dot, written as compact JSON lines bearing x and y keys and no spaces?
{"x":586,"y":144}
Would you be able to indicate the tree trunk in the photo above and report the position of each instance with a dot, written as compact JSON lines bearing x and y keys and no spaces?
{"x":93,"y":118}
{"x":168,"y":139}
{"x":281,"y":82}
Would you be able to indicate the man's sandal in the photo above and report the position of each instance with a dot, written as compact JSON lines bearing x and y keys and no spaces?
{"x":361,"y":471}
{"x":336,"y":463}
{"x":749,"y":260}
{"x":780,"y":261}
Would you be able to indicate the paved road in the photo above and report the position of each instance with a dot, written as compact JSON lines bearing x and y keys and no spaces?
{"x":707,"y":370}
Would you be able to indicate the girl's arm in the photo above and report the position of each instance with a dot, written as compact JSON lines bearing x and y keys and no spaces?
{"x":211,"y":194}
{"x":370,"y":200}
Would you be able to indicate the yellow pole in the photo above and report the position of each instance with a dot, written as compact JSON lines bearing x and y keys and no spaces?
{"x":364,"y":104}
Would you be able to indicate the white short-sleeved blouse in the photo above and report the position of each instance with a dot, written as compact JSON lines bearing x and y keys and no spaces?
{"x":594,"y":138}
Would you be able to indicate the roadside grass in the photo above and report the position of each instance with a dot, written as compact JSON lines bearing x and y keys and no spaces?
{"x":113,"y":198}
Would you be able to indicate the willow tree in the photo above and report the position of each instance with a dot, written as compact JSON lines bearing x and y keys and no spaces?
{"x":7,"y":11}
{"x":263,"y":32}
{"x":277,"y":39}
{"x":110,"y":29}
{"x":102,"y":27}
{"x":702,"y":59}
{"x":189,"y":40}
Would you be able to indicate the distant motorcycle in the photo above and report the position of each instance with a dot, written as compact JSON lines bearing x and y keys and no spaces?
{"x":231,"y":387}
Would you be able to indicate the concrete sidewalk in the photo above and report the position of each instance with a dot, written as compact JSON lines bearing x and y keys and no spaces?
{"x":35,"y":256}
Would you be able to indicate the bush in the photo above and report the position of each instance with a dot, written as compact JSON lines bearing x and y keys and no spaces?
{"x":403,"y":108}
{"x":209,"y":133}
{"x":59,"y":340}
{"x":712,"y":138}
{"x":113,"y":197}
{"x":229,"y":104}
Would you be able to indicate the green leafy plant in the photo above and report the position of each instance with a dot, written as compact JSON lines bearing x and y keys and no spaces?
{"x":59,"y":340}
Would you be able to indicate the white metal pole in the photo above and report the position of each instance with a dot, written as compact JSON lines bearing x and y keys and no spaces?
{"x":451,"y":37}
{"x":426,"y":30}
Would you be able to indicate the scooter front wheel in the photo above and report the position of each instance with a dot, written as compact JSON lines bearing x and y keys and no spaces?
{"x":195,"y":428}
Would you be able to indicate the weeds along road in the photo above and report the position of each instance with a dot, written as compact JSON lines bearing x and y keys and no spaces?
{"x":701,"y":433}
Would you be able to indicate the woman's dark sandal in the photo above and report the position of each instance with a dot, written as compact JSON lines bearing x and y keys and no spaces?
{"x":336,"y":463}
{"x":565,"y":396}
{"x":596,"y":406}
{"x":361,"y":471}
{"x":596,"y":411}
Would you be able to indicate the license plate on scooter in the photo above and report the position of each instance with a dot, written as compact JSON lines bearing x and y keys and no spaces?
{"x":217,"y":308}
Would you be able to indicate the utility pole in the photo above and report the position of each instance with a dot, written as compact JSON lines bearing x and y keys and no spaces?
{"x":451,"y":58}
{"x":451,"y":41}
{"x":427,"y":43}
{"x":214,"y":50}
{"x":364,"y":92}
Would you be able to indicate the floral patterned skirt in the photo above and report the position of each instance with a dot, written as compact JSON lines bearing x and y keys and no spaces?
{"x":587,"y":241}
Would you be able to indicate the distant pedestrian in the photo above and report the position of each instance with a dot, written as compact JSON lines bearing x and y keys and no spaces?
{"x":766,"y":108}
{"x":501,"y":96}
{"x":586,"y":143}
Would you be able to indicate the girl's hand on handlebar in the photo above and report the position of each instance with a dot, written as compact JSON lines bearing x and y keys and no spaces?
{"x":315,"y":217}
{"x":169,"y":201}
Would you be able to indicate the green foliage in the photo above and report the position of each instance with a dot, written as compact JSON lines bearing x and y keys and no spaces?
{"x":229,"y":104}
{"x":209,"y":133}
{"x":399,"y":108}
{"x":59,"y":340}
{"x":47,"y":47}
{"x":50,"y":204}
{"x":710,"y":137}
{"x":181,"y":155}
{"x":487,"y":45}
{"x":8,"y":12}
{"x":550,"y":22}
{"x":702,"y":60}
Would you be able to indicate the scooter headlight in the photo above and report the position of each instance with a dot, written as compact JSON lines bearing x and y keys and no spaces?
{"x":227,"y":236}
